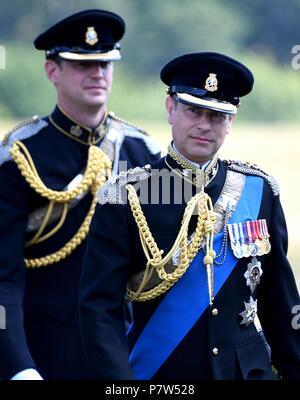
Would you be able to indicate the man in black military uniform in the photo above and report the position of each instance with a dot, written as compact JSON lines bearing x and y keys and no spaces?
{"x":49,"y":174}
{"x":198,"y":245}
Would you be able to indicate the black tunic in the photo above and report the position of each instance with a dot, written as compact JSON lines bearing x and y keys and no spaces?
{"x":241,"y":351}
{"x":42,"y":324}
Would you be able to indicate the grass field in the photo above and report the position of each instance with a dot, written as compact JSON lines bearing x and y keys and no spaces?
{"x":275,"y":148}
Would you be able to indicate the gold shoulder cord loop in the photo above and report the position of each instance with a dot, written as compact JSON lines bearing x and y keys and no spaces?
{"x":205,"y":222}
{"x":95,"y":175}
{"x":27,"y":169}
{"x":38,"y":236}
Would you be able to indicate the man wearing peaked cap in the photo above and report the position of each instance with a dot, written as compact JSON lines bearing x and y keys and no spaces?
{"x":90,"y":35}
{"x":203,"y":251}
{"x":208,"y":80}
{"x":50,"y":170}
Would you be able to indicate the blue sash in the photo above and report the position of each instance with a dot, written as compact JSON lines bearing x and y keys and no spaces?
{"x":184,"y":304}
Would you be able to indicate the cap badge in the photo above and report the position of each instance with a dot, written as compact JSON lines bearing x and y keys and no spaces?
{"x":91,"y":36}
{"x":211,"y":83}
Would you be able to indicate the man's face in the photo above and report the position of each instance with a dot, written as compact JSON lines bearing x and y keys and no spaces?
{"x":198,"y":133}
{"x":82,"y":85}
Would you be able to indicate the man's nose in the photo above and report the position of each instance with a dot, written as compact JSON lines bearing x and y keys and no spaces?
{"x":97,"y":70}
{"x":203,"y":121}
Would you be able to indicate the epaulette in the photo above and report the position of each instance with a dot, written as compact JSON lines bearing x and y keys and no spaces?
{"x":134,"y":131}
{"x":22,"y":131}
{"x":112,"y":115}
{"x":111,"y":191}
{"x":253,"y":169}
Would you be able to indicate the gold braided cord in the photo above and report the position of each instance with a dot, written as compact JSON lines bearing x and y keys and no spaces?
{"x":93,"y":178}
{"x":96,"y":159}
{"x":38,"y":238}
{"x":69,"y":247}
{"x":41,"y":229}
{"x":76,"y":240}
{"x":153,"y":254}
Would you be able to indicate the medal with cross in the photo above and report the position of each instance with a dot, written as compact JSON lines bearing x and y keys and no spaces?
{"x":253,"y":273}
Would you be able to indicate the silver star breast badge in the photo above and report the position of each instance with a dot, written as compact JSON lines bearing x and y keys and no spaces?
{"x":250,"y":312}
{"x":253,"y":274}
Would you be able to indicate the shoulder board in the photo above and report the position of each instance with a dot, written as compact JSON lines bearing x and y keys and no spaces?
{"x":22,"y":131}
{"x":111,"y":191}
{"x":253,"y":169}
{"x":136,"y":132}
{"x":113,"y":116}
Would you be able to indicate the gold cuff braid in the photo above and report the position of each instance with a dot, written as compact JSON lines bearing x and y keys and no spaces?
{"x":95,"y":175}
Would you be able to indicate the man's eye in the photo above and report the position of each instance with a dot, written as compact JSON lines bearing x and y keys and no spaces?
{"x":81,"y":65}
{"x":104,"y":64}
{"x":218,"y":115}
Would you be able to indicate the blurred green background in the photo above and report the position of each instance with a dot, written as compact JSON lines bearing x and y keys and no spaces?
{"x":260,"y":33}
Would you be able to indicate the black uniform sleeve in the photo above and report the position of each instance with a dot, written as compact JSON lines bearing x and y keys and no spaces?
{"x":277,"y":295}
{"x":15,"y":355}
{"x":102,"y":290}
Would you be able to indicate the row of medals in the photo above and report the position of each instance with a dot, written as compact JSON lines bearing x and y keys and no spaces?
{"x":243,"y":245}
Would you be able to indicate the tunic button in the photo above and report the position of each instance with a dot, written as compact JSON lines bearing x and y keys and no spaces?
{"x":215,"y":312}
{"x":215,"y":351}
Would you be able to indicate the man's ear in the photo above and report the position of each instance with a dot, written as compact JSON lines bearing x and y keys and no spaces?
{"x":230,"y":120}
{"x":170,"y":108}
{"x":52,"y":70}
